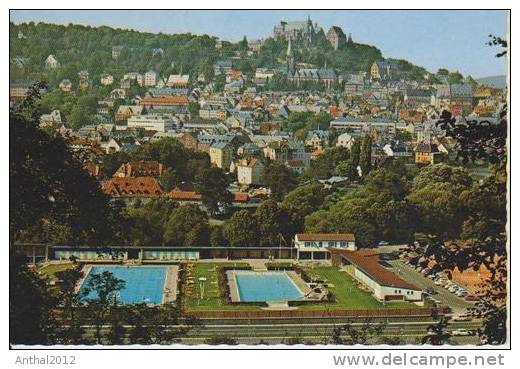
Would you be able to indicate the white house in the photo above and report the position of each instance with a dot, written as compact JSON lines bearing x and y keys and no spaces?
{"x":250,"y":171}
{"x":314,"y":246}
{"x":107,"y":79}
{"x":150,"y":78}
{"x":178,"y":80}
{"x":49,"y":120}
{"x":345,"y":140}
{"x":151,"y":122}
{"x":364,"y":266}
{"x":51,"y":62}
{"x":65,"y":85}
{"x":110,"y":146}
{"x":134,"y":76}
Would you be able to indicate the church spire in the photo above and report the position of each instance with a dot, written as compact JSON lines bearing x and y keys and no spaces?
{"x":290,"y":57}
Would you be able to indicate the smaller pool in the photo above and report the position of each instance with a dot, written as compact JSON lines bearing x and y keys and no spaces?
{"x":144,"y":284}
{"x":266,"y":287}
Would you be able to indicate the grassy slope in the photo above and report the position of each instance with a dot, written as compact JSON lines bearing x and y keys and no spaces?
{"x":48,"y":271}
{"x":212,"y":299}
{"x":347,"y":294}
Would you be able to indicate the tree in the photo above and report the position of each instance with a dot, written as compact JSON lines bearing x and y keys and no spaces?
{"x":103,"y":288}
{"x":146,"y":224}
{"x":217,"y":238}
{"x":455,"y":77}
{"x":302,"y":201}
{"x":436,"y":193}
{"x":377,"y":211}
{"x":71,"y":298}
{"x":272,"y":221}
{"x":279,"y":179}
{"x":188,"y":226}
{"x":365,"y":157}
{"x":30,"y":306}
{"x":241,"y":230}
{"x":355,"y":153}
{"x":212,"y":184}
{"x":348,"y":334}
{"x":484,"y":235}
{"x":47,"y":182}
{"x":437,"y":334}
{"x":168,"y":180}
{"x":116,"y":334}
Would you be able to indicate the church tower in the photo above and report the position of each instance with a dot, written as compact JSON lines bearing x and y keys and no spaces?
{"x":290,"y":58}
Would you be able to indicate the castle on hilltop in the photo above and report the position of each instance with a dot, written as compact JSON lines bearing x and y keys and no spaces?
{"x":304,"y":31}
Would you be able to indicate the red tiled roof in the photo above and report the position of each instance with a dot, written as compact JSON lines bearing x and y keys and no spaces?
{"x":295,"y":163}
{"x":93,"y":169}
{"x":240,"y":197}
{"x":133,"y":187}
{"x":326,"y":237}
{"x":368,"y":262}
{"x":166,"y":100}
{"x":140,"y":169}
{"x":185,"y":195}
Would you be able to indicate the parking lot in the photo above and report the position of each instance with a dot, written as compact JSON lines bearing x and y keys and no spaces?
{"x":457,"y":304}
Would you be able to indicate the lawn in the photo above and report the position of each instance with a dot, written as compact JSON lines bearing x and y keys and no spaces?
{"x":347,"y":294}
{"x":211,"y":299}
{"x":344,"y":287}
{"x":50,"y":270}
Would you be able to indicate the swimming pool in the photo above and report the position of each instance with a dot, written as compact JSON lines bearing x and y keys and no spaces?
{"x":266,"y":286}
{"x":143,"y":283}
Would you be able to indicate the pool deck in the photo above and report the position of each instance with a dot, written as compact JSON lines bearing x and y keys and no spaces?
{"x":86,"y":270}
{"x":170,"y":284}
{"x":299,"y":282}
{"x":232,"y":284}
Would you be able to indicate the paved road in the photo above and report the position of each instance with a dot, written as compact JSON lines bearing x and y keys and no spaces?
{"x":458,"y":305}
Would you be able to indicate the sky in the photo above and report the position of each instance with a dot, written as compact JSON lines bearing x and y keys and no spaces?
{"x":451,"y":39}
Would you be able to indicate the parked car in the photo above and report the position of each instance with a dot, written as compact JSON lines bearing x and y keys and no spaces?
{"x":461,"y":332}
{"x":431,"y":291}
{"x":461,"y":318}
{"x":471,"y":298}
{"x":383,"y":243}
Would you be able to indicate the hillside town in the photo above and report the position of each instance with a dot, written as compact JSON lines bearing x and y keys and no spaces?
{"x":243,"y":125}
{"x":343,"y":177}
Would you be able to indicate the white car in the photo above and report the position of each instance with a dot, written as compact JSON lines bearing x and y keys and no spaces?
{"x":461,"y":318}
{"x":461,"y":332}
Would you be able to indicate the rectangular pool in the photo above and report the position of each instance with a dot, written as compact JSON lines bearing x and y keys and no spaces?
{"x":266,"y":287}
{"x":144,"y":284}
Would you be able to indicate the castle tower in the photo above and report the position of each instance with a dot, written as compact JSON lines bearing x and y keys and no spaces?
{"x":349,"y":41}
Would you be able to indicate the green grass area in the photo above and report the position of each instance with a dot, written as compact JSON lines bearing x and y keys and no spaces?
{"x":50,"y":270}
{"x":345,"y":289}
{"x":347,"y":294}
{"x":211,"y":299}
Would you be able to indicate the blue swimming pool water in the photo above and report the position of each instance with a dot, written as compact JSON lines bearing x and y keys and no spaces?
{"x":266,"y":286}
{"x":143,"y":284}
